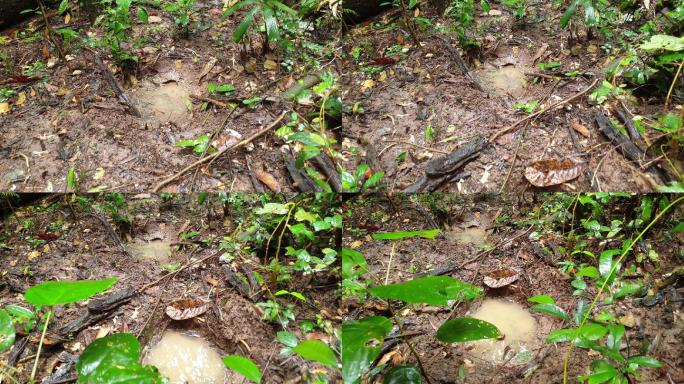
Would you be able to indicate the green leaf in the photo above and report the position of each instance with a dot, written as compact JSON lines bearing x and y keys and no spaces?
{"x":119,"y":349}
{"x":273,"y":209}
{"x":561,"y":335}
{"x":433,"y":290}
{"x":271,"y":23}
{"x":569,"y":13}
{"x":645,"y":361}
{"x":143,"y":16}
{"x":353,"y":264}
{"x":551,"y":309}
{"x":678,"y":228}
{"x":288,"y":339}
{"x":665,"y":42}
{"x":64,"y":292}
{"x":243,"y":366}
{"x":466,"y":329}
{"x":601,"y":371}
{"x":361,"y":342}
{"x":373,"y":180}
{"x":542,"y":299}
{"x":403,"y":374}
{"x":627,"y":289}
{"x":426,"y":234}
{"x":592,"y":331}
{"x":7,"y":331}
{"x":244,"y":25}
{"x":316,"y":350}
{"x":588,"y":272}
{"x":63,"y":6}
{"x":606,"y":261}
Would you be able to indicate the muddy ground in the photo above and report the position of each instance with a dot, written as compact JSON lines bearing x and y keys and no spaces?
{"x":79,"y":246}
{"x":477,"y":223}
{"x":404,"y":88}
{"x":71,"y":118}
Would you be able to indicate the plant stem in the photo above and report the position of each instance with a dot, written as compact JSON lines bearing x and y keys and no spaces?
{"x":40,"y":346}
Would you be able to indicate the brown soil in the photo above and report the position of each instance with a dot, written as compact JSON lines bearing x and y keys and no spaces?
{"x":661,"y":325}
{"x":72,"y":119}
{"x":425,"y":87}
{"x":84,"y":249}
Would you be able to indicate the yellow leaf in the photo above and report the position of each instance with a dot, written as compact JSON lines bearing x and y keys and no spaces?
{"x":383,"y":76}
{"x":4,"y":108}
{"x":21,"y":99}
{"x":367,"y":84}
{"x":67,"y":18}
{"x":99,"y":173}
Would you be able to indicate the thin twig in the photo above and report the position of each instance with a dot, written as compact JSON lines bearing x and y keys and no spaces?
{"x":532,"y":116}
{"x":674,"y":81}
{"x":417,"y":146}
{"x":219,"y":153}
{"x":186,"y":266}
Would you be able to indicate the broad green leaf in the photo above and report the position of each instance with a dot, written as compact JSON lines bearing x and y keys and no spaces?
{"x":63,"y":6}
{"x":403,"y":374}
{"x":606,"y":261}
{"x":593,"y":331}
{"x":271,"y":23}
{"x":117,"y":349}
{"x":64,"y":292}
{"x":143,"y":17}
{"x":466,"y":329}
{"x":304,"y":215}
{"x":353,"y":264}
{"x":243,"y":366}
{"x":678,"y":228}
{"x":244,"y":25}
{"x":666,"y":42}
{"x":645,"y":361}
{"x":561,"y":335}
{"x":288,"y":339}
{"x":361,"y":342}
{"x":601,"y":371}
{"x":273,"y":209}
{"x":588,"y":272}
{"x":569,"y":13}
{"x":615,"y":334}
{"x":426,"y":234}
{"x":627,"y":289}
{"x":542,"y":299}
{"x":433,"y":290}
{"x":7,"y":331}
{"x":133,"y":372}
{"x":551,"y":309}
{"x":316,"y":350}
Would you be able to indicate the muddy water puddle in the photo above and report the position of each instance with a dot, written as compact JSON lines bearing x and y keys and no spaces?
{"x":518,"y":326}
{"x":159,"y":250}
{"x":507,"y":80}
{"x":187,"y":359}
{"x":166,"y":102}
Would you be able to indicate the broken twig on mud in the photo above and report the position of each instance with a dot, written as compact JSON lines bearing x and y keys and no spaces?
{"x":221,"y":152}
{"x":115,"y":86}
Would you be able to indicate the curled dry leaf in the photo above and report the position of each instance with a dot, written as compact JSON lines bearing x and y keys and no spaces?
{"x":500,"y":278}
{"x":183,"y":309}
{"x":584,"y":131}
{"x":543,"y":173}
{"x":267,"y":179}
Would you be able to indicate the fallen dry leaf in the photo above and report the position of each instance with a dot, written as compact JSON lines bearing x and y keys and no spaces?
{"x":183,"y":309}
{"x":4,"y":108}
{"x":207,"y":68}
{"x":544,"y":173}
{"x":21,"y":98}
{"x":267,"y":179}
{"x":500,"y":278}
{"x":584,"y":131}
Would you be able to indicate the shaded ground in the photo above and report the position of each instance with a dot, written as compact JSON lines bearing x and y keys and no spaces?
{"x":70,"y":118}
{"x":404,"y":89}
{"x":479,"y":236}
{"x":79,"y":246}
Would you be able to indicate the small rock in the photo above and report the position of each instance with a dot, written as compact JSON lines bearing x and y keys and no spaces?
{"x":149,"y":50}
{"x":494,"y":12}
{"x":154,"y":19}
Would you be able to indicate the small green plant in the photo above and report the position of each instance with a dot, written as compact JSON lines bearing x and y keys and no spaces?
{"x":223,"y":88}
{"x":199,"y":145}
{"x":117,"y":22}
{"x":269,"y":11}
{"x":5,"y":94}
{"x":244,"y":367}
{"x":528,"y":107}
{"x":182,"y":12}
{"x":519,"y":8}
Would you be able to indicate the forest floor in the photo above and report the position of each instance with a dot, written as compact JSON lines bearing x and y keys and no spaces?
{"x":486,"y":233}
{"x":56,"y":239}
{"x":405,"y":104}
{"x":407,"y":89}
{"x":71,"y":119}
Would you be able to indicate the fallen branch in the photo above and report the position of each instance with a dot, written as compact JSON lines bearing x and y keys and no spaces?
{"x":221,"y":152}
{"x":534,"y":115}
{"x":115,"y":86}
{"x":461,"y":64}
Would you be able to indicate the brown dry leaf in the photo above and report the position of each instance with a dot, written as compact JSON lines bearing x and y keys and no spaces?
{"x":183,"y":309}
{"x":544,"y":173}
{"x":207,"y":68}
{"x":270,"y":65}
{"x":500,"y":278}
{"x":584,"y":131}
{"x":267,"y":179}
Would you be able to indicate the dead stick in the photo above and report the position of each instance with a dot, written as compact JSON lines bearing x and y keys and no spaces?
{"x":115,"y":86}
{"x":532,"y":116}
{"x":221,"y":152}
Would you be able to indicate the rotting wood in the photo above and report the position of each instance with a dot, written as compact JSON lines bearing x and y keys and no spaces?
{"x":300,"y":179}
{"x":109,"y":76}
{"x":440,"y":169}
{"x":327,"y":167}
{"x":97,"y":310}
{"x":627,"y":148}
{"x":221,"y":152}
